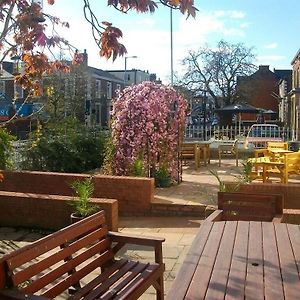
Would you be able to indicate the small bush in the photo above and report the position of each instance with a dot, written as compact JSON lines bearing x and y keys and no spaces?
{"x":71,"y":150}
{"x":162,"y":177}
{"x":6,"y":149}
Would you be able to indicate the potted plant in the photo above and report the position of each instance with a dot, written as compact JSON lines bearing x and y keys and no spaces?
{"x":81,"y":204}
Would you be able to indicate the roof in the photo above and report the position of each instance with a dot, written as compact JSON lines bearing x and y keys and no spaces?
{"x":295,"y":57}
{"x":104,"y":74}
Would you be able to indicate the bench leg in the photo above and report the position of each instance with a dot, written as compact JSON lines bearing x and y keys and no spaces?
{"x":160,"y":288}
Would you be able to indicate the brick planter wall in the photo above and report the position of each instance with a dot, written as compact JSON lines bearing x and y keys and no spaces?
{"x":290,"y":191}
{"x":47,"y":211}
{"x":39,"y":199}
{"x":134,"y":194}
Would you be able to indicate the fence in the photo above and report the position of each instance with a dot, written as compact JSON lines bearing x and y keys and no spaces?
{"x":227,"y":132}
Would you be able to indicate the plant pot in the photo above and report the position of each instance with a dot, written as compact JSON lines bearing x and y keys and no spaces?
{"x":75,"y":218}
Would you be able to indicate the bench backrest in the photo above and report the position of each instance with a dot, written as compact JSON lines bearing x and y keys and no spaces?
{"x":250,"y":207}
{"x":188,"y":150}
{"x":58,"y":258}
{"x":292,"y":162}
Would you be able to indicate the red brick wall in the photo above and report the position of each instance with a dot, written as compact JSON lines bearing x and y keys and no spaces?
{"x":47,"y":211}
{"x":134,"y":194}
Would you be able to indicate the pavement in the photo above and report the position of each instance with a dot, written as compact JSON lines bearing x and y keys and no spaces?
{"x":197,"y":188}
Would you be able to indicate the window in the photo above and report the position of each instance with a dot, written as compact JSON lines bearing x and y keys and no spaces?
{"x":109,"y":90}
{"x":98,"y":88}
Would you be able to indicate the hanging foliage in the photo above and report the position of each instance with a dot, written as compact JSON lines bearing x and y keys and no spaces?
{"x":147,"y":127}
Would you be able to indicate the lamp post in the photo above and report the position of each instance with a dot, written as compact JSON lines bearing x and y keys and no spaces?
{"x":171,"y":44}
{"x":125,"y":70}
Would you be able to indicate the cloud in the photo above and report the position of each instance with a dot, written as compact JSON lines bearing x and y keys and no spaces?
{"x":232,"y":14}
{"x":271,"y":46}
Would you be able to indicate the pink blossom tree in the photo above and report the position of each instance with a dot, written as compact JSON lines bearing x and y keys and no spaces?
{"x":147,"y":125}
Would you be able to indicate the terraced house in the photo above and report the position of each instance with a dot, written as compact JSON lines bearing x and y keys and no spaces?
{"x":294,"y":96}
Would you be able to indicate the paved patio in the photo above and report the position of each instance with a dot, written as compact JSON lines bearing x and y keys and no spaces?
{"x":198,"y":187}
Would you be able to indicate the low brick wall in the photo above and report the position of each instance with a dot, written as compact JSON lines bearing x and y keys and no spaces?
{"x":47,"y":211}
{"x":290,"y":191}
{"x":134,"y":194}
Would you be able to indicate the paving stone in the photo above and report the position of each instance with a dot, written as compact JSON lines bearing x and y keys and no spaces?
{"x":187,"y":239}
{"x":171,"y":251}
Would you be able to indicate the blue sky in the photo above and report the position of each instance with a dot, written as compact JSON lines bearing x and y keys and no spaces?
{"x":269,"y":26}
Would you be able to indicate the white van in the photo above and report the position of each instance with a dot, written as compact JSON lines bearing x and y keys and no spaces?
{"x":260,"y":134}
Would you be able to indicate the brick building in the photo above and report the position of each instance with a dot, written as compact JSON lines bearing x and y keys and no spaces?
{"x":294,"y":96}
{"x":261,"y":89}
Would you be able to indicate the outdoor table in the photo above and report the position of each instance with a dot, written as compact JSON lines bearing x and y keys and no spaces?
{"x":241,"y":260}
{"x":201,"y":147}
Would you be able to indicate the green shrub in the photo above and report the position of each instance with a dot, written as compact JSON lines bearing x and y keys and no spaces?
{"x":6,"y":149}
{"x":67,"y":149}
{"x":162,"y":177}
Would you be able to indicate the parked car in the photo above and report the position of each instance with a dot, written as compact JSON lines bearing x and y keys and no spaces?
{"x":260,"y":134}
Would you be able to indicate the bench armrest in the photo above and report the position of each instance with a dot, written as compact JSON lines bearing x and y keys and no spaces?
{"x":121,"y":239}
{"x":16,"y":295}
{"x":217,"y":215}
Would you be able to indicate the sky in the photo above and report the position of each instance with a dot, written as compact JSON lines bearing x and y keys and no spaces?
{"x":270,"y":27}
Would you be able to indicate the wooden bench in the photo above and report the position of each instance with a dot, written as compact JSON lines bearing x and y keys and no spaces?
{"x":80,"y":261}
{"x":188,"y":151}
{"x":248,"y":207}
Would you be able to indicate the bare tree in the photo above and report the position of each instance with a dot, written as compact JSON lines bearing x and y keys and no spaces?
{"x":215,"y":71}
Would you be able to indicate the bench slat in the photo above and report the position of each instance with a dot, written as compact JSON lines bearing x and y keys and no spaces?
{"x":135,"y":289}
{"x":68,"y":266}
{"x":98,"y":280}
{"x":54,"y":240}
{"x":136,"y":271}
{"x":43,"y":264}
{"x":105,"y":286}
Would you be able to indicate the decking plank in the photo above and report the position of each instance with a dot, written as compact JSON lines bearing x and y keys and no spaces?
{"x":294,"y":233}
{"x":272,"y":274}
{"x":289,"y":271}
{"x":201,"y":278}
{"x":183,"y":279}
{"x":218,"y":282}
{"x":236,"y":277}
{"x":254,"y":287}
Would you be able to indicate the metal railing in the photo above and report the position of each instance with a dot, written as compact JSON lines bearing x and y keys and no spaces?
{"x":228,"y":132}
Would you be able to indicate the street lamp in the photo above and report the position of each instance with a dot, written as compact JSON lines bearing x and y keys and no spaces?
{"x":171,"y":43}
{"x":125,"y":70}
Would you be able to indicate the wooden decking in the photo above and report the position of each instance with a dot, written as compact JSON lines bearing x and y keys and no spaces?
{"x":241,"y":260}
